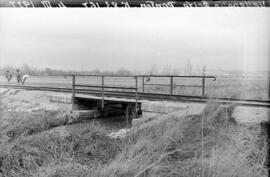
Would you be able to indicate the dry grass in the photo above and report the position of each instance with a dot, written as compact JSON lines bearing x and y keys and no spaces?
{"x":44,"y":154}
{"x":164,"y":147}
{"x":173,"y":147}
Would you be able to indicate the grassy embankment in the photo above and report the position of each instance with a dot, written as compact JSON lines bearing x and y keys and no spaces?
{"x":210,"y":144}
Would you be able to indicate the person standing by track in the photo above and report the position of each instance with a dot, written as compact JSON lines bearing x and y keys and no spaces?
{"x":24,"y":78}
{"x":18,"y":76}
{"x":8,"y":76}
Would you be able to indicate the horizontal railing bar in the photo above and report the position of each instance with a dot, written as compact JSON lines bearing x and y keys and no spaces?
{"x":97,"y":75}
{"x":112,"y":87}
{"x":113,"y":91}
{"x":199,"y":86}
{"x":197,"y":76}
{"x":174,"y":85}
{"x":158,"y":84}
{"x":109,"y":75}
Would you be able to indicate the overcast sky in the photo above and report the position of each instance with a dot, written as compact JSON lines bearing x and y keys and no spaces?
{"x":135,"y":39}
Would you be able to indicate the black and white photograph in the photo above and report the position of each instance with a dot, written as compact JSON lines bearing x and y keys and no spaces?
{"x":134,"y":88}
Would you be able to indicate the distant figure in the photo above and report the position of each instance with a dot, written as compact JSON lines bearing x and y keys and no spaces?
{"x":148,"y":79}
{"x":8,"y":76}
{"x":18,"y":76}
{"x":24,"y":78}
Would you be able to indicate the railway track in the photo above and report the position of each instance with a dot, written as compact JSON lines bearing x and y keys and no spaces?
{"x":148,"y":96}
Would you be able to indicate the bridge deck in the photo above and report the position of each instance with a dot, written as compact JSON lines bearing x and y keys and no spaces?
{"x":112,"y":99}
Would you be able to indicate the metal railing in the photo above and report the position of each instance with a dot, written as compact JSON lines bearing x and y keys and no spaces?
{"x":172,"y":85}
{"x":103,"y":86}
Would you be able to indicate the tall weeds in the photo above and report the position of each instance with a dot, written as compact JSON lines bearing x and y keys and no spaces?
{"x":173,"y":147}
{"x":170,"y":146}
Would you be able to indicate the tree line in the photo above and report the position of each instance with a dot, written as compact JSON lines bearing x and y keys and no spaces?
{"x":153,"y":70}
{"x":32,"y":71}
{"x":188,"y":69}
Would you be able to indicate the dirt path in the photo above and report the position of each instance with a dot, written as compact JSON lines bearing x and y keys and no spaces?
{"x":251,"y":114}
{"x":28,"y":101}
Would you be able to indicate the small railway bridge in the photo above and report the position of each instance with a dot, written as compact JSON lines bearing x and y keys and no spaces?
{"x":113,"y":98}
{"x":105,"y":95}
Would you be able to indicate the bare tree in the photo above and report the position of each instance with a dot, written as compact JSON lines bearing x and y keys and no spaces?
{"x":188,"y":68}
{"x":153,"y":70}
{"x":204,"y":71}
{"x":123,"y":71}
{"x":167,"y":70}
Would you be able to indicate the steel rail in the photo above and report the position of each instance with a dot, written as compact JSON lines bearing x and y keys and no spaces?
{"x":149,"y":96}
{"x":112,"y":87}
{"x":65,"y":89}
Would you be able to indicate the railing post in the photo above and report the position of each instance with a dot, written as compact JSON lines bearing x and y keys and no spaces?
{"x":127,"y":115}
{"x":269,"y":87}
{"x":102,"y":101}
{"x":203,"y":86}
{"x":171,"y":86}
{"x":73,"y":92}
{"x":136,"y":95}
{"x":143,"y":84}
